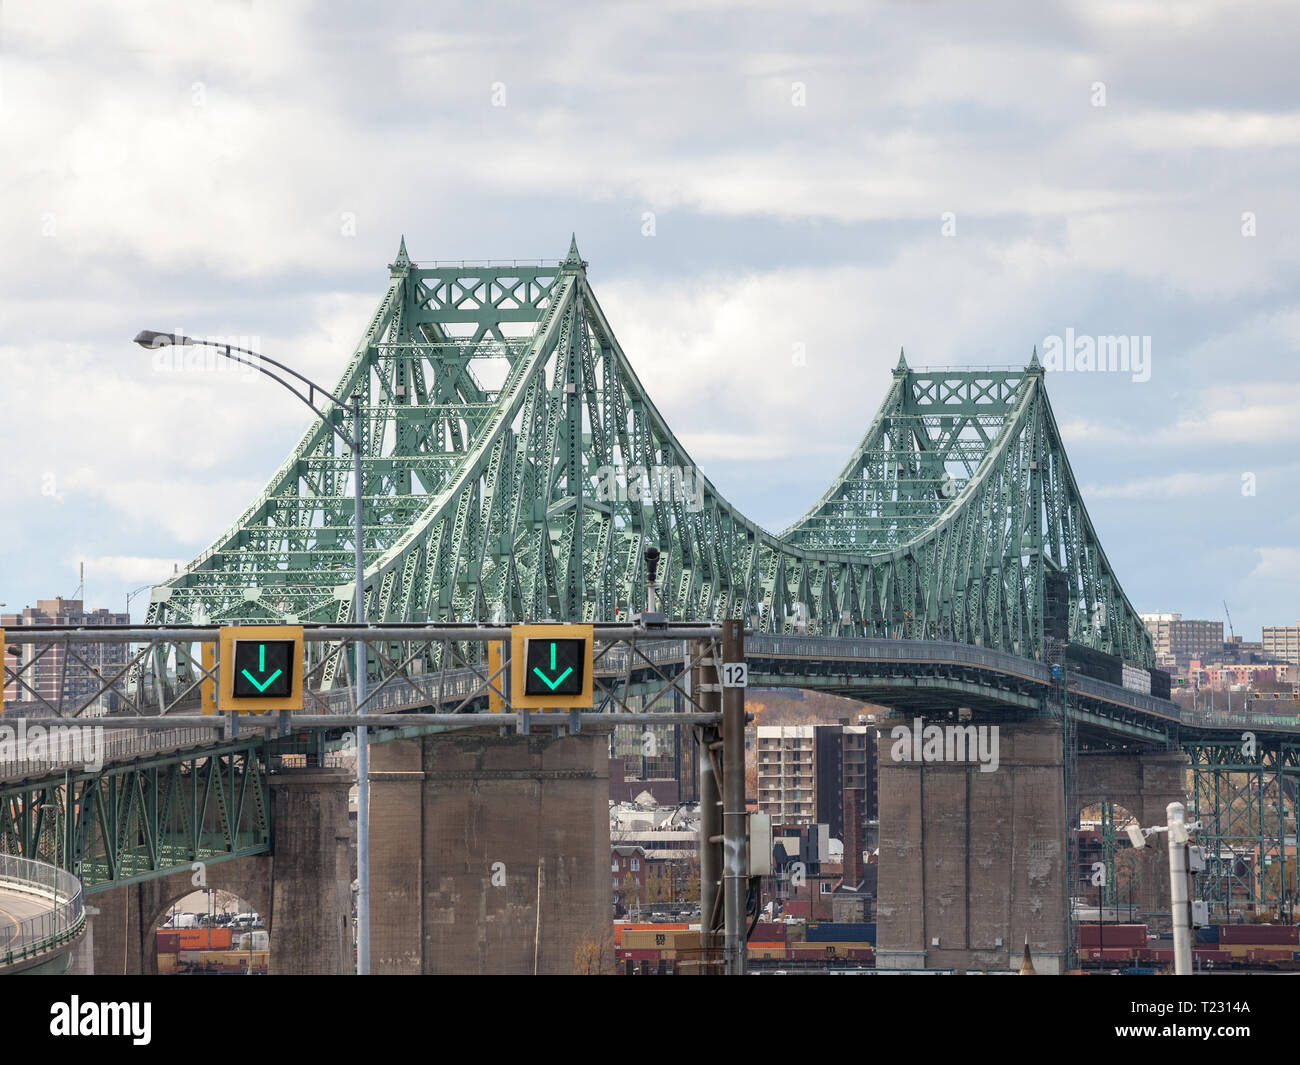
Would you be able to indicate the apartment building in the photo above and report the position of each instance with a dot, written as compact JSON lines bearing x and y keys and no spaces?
{"x":45,"y":669}
{"x":806,"y":772}
{"x":1177,"y":638}
{"x":786,"y":763}
{"x":1281,"y":643}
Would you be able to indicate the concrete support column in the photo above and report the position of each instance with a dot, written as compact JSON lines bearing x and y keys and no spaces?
{"x":516,"y":858}
{"x":972,"y":859}
{"x":311,"y":899}
{"x":396,"y":857}
{"x":117,"y":949}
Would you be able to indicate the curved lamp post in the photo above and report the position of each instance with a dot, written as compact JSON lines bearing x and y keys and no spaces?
{"x":152,"y":340}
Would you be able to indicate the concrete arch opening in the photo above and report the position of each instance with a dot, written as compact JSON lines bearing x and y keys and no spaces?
{"x":1107,"y":887}
{"x":212,"y":931}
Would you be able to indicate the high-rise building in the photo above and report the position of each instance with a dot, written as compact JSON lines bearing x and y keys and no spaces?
{"x":657,"y":752}
{"x":786,"y":781}
{"x":1180,"y":639}
{"x":50,"y":673}
{"x":1281,"y":643}
{"x":805,"y":772}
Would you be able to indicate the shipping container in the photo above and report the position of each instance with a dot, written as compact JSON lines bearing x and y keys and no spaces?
{"x":841,"y":932}
{"x":249,"y":940}
{"x":1117,"y":953}
{"x":768,"y":932}
{"x":1268,"y":954}
{"x":167,"y":942}
{"x":836,"y":950}
{"x":621,"y":926}
{"x":1112,"y":935}
{"x":661,"y":939}
{"x":765,"y":950}
{"x":637,"y":955}
{"x":862,"y":954}
{"x":1208,"y":934}
{"x":204,"y":938}
{"x":805,"y":954}
{"x":1266,"y":935}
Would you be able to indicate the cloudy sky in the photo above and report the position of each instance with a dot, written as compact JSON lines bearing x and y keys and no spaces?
{"x":963,"y":181}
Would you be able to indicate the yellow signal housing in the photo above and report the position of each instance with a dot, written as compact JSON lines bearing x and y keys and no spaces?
{"x":260,"y":668}
{"x":551,"y":666}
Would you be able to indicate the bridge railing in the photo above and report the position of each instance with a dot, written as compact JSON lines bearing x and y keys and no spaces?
{"x":884,"y":650}
{"x":64,"y":918}
{"x":1244,"y":718}
{"x":85,"y":743}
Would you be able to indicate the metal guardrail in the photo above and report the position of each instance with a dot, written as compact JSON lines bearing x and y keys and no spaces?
{"x":388,"y":695}
{"x":455,"y":687}
{"x":62,"y":921}
{"x":938,"y":652}
{"x":86,"y":743}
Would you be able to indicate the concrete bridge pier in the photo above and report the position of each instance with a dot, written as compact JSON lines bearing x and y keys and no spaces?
{"x":490,"y":853}
{"x":303,"y":890}
{"x":971,"y":861}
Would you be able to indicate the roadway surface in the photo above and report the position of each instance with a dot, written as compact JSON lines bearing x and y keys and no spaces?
{"x":15,"y":908}
{"x":904,"y":674}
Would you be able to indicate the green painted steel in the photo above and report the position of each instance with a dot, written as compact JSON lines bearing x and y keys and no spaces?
{"x":1244,"y":795}
{"x":507,"y":439}
{"x":144,"y":819}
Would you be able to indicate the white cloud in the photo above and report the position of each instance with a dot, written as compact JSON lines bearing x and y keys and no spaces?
{"x":1278,"y":563}
{"x":1187,"y":485}
{"x":135,"y":571}
{"x":190,"y":167}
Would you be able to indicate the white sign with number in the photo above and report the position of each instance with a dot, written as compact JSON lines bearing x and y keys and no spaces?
{"x":735,"y":674}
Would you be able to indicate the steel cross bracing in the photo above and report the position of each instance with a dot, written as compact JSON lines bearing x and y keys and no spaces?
{"x":635,"y":670}
{"x":142,"y":819}
{"x":508,"y":448}
{"x":1244,"y":795}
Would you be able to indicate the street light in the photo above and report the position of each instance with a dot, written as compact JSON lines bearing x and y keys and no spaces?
{"x":152,"y":340}
{"x":1177,"y":831}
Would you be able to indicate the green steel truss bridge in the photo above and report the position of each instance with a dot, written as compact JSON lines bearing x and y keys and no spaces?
{"x":515,"y":469}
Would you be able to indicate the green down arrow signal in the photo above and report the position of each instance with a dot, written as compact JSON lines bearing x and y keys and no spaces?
{"x":552,"y":684}
{"x":261,"y":668}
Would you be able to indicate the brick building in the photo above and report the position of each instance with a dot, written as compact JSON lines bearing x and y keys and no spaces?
{"x":628,"y":879}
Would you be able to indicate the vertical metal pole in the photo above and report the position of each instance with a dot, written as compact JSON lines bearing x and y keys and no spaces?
{"x":1181,"y":910}
{"x":735,"y":856}
{"x":363,"y":738}
{"x":705,"y":692}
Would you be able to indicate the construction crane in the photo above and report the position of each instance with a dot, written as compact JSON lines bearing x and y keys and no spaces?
{"x":1231,"y":633}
